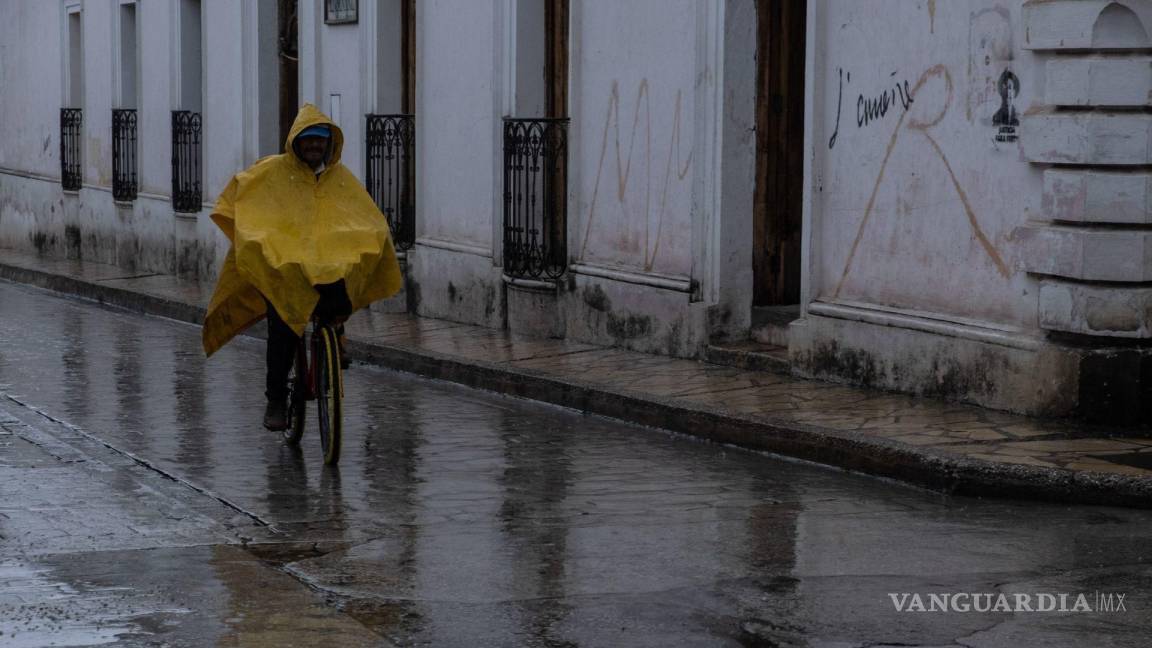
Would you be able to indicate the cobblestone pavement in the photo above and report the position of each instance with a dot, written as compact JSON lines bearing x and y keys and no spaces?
{"x":943,"y":445}
{"x":144,"y":506}
{"x":97,"y":548}
{"x":962,"y":429}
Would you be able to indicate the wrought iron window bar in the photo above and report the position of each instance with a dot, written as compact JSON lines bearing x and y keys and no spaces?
{"x":391,"y":173}
{"x":187,"y":193}
{"x":71,"y":123}
{"x":535,"y":198}
{"x":124,"y":175}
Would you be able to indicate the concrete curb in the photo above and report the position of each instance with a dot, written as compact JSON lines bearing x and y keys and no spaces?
{"x":939,"y":471}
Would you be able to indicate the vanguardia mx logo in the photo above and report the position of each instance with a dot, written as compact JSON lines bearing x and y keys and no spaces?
{"x":1109,"y":602}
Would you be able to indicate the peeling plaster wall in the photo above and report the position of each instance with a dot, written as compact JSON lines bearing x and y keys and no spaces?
{"x":919,"y":178}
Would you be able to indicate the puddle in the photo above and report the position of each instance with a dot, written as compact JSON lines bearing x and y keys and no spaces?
{"x":37,"y":609}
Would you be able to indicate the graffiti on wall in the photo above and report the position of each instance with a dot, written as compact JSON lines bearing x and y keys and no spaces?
{"x":993,"y":88}
{"x":676,"y":166}
{"x":873,"y":106}
{"x":839,"y":104}
{"x":922,"y":123}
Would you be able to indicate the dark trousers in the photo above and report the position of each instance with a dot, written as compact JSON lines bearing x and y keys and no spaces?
{"x":282,"y":342}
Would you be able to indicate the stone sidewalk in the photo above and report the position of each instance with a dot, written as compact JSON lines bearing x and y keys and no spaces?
{"x":949,"y":447}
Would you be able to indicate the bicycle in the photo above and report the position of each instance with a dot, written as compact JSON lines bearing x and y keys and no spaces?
{"x":317,"y":376}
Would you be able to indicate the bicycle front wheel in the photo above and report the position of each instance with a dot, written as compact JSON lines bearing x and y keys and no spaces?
{"x":328,"y":393}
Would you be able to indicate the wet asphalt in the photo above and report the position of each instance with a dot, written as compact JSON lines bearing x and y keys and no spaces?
{"x":142,"y":504}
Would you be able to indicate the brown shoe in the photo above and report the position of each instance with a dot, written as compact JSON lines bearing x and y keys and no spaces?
{"x":276,"y":415}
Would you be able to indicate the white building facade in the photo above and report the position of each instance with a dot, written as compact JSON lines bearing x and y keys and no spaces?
{"x":949,"y":198}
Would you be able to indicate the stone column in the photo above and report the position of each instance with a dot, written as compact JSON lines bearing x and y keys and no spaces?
{"x":1092,"y":252}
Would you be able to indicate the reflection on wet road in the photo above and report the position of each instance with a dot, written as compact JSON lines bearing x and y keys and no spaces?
{"x":458,"y":517}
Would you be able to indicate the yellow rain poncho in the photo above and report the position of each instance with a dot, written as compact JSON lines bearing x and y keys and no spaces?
{"x":292,"y":230}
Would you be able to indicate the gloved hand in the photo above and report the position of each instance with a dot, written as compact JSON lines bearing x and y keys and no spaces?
{"x":334,"y":306}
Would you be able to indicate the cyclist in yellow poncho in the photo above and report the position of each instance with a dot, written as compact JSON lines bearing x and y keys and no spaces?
{"x":306,"y":238}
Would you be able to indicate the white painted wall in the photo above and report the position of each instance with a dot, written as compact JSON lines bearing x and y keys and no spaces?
{"x":98,"y":98}
{"x":339,"y":74}
{"x":29,"y":86}
{"x":387,"y":64}
{"x":636,"y":141}
{"x":350,"y":69}
{"x":460,"y":101}
{"x":914,"y":191}
{"x":189,"y":40}
{"x":144,"y":234}
{"x":260,"y":72}
{"x":154,"y":116}
{"x":632,"y":119}
{"x":733,"y":230}
{"x":127,"y":46}
{"x":223,"y":115}
{"x":74,"y":54}
{"x":530,"y":42}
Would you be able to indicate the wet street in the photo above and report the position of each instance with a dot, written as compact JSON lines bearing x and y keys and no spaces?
{"x":142,"y":504}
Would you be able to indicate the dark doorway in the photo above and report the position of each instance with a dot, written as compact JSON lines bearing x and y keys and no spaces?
{"x":408,"y":56}
{"x":780,"y":33}
{"x":289,"y":65}
{"x":556,"y":57}
{"x":556,"y":107}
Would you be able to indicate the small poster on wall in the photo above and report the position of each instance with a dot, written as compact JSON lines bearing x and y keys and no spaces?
{"x":1006,"y":117}
{"x":338,"y":12}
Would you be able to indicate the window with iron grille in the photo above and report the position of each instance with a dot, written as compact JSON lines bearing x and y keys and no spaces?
{"x":535,"y":198}
{"x":341,"y":11}
{"x":186,"y":187}
{"x":124,"y":178}
{"x":71,"y":121}
{"x":391,"y":173}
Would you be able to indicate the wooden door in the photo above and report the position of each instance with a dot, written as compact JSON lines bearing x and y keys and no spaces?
{"x":781,"y":30}
{"x":556,"y":107}
{"x":408,"y":57}
{"x":556,"y":57}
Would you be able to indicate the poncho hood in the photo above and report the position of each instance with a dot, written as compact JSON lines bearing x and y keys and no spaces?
{"x":292,"y":229}
{"x":310,"y":116}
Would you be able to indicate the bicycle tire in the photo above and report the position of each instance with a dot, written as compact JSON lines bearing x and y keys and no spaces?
{"x":328,"y":394}
{"x":297,"y":398}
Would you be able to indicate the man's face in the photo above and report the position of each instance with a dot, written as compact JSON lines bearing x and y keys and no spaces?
{"x":312,"y":150}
